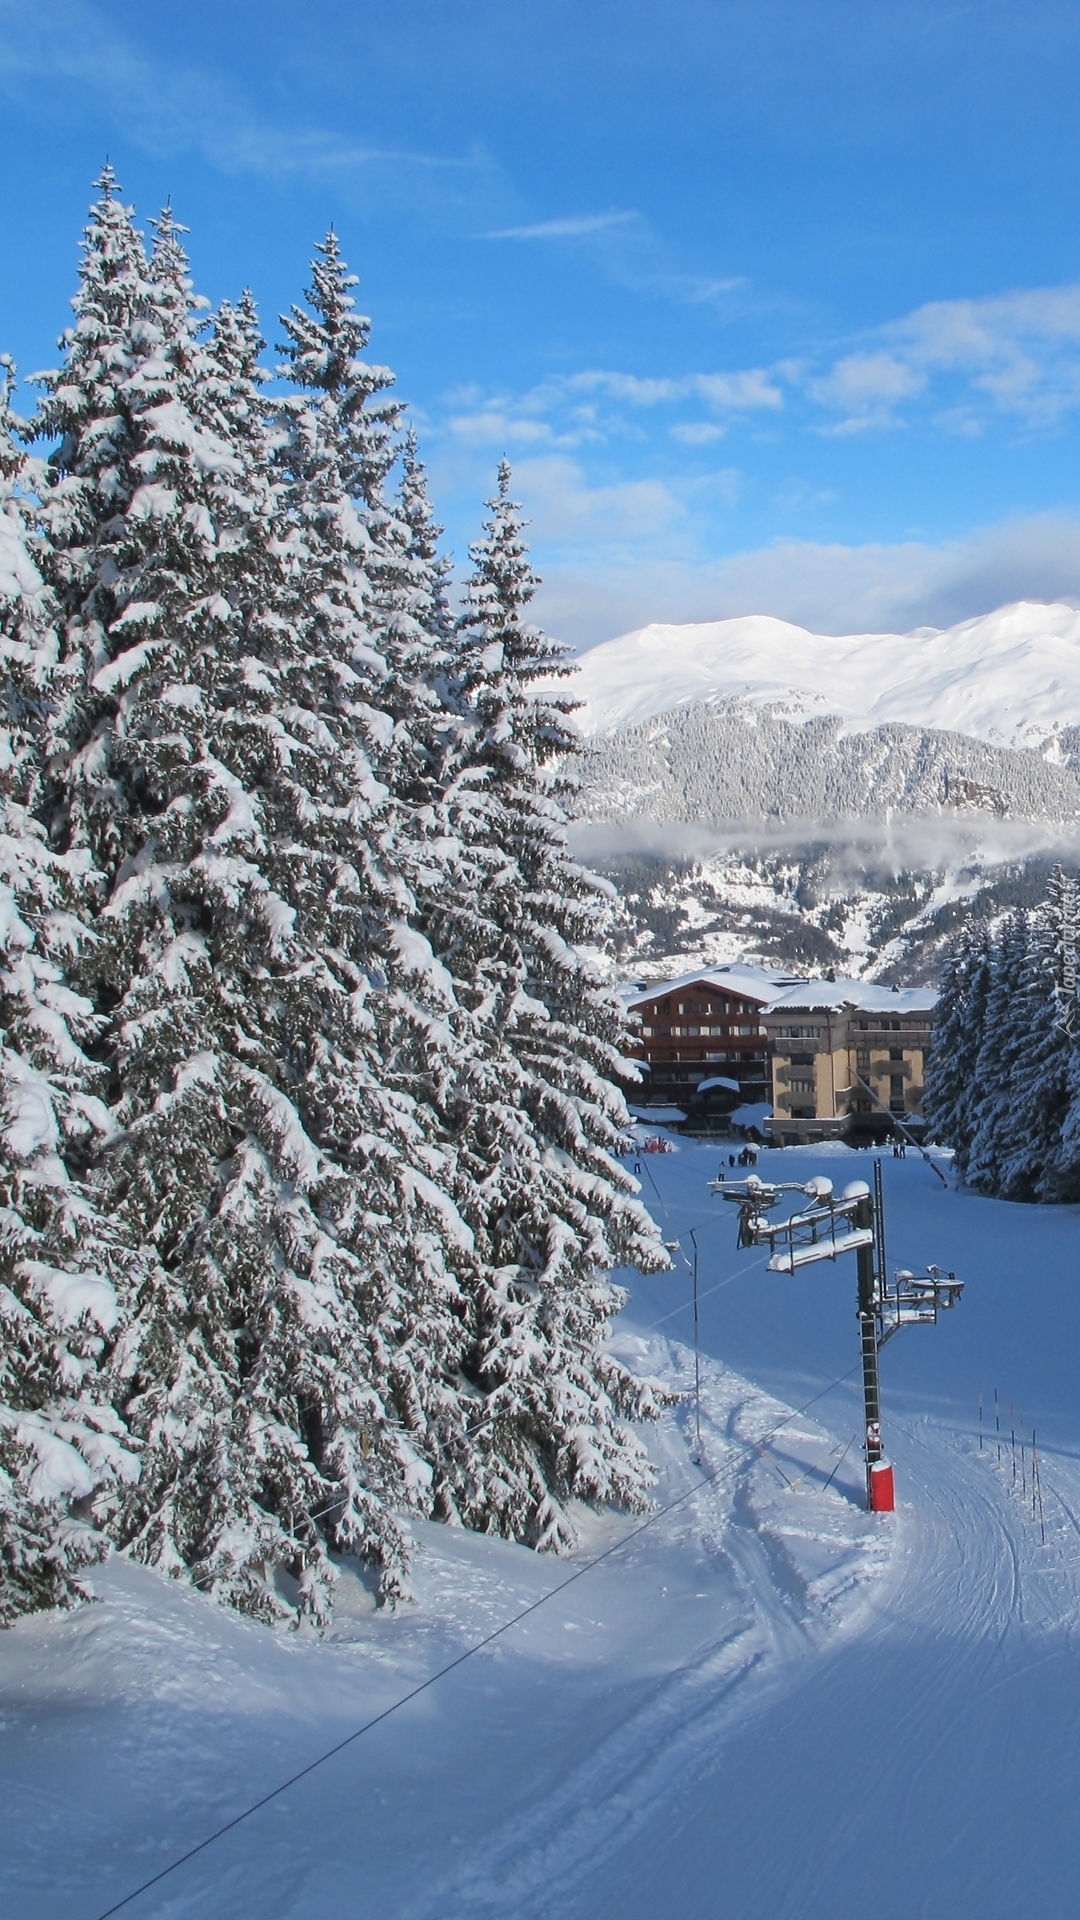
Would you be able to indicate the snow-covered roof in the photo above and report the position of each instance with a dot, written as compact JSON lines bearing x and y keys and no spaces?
{"x":719,"y":1080}
{"x":753,"y":1114}
{"x":836,"y":996}
{"x":657,"y":1116}
{"x":750,"y":983}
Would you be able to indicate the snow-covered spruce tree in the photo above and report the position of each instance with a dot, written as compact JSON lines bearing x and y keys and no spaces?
{"x":292,"y":1356}
{"x":410,"y":605}
{"x":1031,"y":1162}
{"x":1000,"y":1050}
{"x":66,"y":1274}
{"x":958,"y":1033}
{"x":537,"y":1119}
{"x":357,"y":616}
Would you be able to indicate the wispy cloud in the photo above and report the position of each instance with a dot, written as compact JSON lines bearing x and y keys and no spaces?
{"x":566,"y":511}
{"x":697,"y":433}
{"x":953,"y":366}
{"x":867,"y":388}
{"x":601,"y":404}
{"x":572,"y":227}
{"x":629,"y":252}
{"x":633,"y":388}
{"x":1015,"y":354}
{"x":738,"y":392}
{"x":873,"y":587}
{"x":169,"y":108}
{"x":499,"y":427}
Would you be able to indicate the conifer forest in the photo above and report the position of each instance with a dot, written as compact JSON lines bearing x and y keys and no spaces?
{"x":310,"y":1188}
{"x":1003,"y":1080}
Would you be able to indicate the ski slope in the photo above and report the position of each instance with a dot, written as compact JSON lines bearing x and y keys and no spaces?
{"x":1011,"y":677}
{"x":765,"y":1704}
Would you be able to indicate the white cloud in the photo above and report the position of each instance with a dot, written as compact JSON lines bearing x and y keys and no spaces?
{"x":866,"y":387}
{"x":698,"y":433}
{"x":491,"y":427}
{"x":738,"y":392}
{"x":573,"y":227}
{"x":565,"y":511}
{"x":800,"y":496}
{"x":568,"y":410}
{"x":631,"y":387}
{"x":977,"y":333}
{"x":875,"y":587}
{"x":172,"y":107}
{"x":722,"y":487}
{"x":1016,"y":353}
{"x":960,"y":362}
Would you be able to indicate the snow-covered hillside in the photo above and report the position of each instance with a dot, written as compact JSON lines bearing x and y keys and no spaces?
{"x":864,"y":785}
{"x":768,"y":1704}
{"x":1011,"y":677}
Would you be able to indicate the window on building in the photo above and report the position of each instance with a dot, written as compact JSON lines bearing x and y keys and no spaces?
{"x":800,"y":1085}
{"x":862,"y":1059}
{"x":896,"y":1053}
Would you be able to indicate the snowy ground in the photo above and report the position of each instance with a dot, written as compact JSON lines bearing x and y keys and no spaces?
{"x":768,"y":1705}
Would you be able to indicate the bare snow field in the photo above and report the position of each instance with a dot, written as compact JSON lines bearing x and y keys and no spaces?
{"x":766,"y":1705}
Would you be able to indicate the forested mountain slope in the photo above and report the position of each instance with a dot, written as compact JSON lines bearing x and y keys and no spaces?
{"x":846,"y":817}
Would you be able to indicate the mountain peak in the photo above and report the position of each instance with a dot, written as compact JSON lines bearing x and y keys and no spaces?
{"x":1011,"y":677}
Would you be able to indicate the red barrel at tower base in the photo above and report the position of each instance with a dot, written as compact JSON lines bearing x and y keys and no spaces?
{"x":882,"y":1493}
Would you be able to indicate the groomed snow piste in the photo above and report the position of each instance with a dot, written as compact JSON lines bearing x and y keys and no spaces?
{"x":1010,"y":677}
{"x":768,"y":1705}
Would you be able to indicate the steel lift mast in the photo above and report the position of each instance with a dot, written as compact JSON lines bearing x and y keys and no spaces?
{"x":828,"y":1226}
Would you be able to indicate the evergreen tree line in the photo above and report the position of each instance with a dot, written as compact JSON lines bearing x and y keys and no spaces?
{"x":1003,"y":1077}
{"x":309,"y":1176}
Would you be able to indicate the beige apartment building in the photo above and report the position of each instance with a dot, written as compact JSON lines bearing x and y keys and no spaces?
{"x":846,"y":1059}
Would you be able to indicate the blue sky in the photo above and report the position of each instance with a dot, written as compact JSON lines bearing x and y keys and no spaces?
{"x":773,"y":304}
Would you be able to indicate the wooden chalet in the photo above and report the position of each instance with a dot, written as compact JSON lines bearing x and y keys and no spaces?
{"x":701,"y":1042}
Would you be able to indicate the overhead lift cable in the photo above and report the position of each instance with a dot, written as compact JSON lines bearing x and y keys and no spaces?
{"x":708,"y":1478}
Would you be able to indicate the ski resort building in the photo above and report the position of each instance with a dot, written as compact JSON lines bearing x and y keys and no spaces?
{"x":848,"y":1059}
{"x":701,"y":1044}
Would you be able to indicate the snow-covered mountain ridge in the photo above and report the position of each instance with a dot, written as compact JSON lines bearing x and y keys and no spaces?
{"x":1011,"y":678}
{"x":757,"y":791}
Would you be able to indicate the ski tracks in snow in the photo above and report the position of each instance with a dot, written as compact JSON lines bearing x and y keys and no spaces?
{"x":793,"y":1562}
{"x":876,"y":1662}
